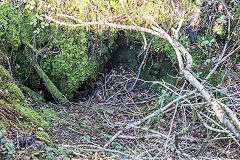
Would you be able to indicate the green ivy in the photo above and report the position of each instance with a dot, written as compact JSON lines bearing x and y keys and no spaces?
{"x":71,"y":66}
{"x":7,"y":148}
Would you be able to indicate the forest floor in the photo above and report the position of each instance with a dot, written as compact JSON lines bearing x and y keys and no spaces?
{"x":85,"y":126}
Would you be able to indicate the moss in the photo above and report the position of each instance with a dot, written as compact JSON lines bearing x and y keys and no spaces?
{"x":67,"y":69}
{"x":27,"y":126}
{"x":26,"y":73}
{"x":43,"y":136}
{"x":48,"y":83}
{"x":36,"y":97}
{"x":49,"y":113}
{"x":53,"y":116}
{"x":33,"y":115}
{"x":10,"y":90}
{"x":64,"y":122}
{"x":5,"y":74}
{"x":29,"y":113}
{"x":13,"y":95}
{"x":4,"y":125}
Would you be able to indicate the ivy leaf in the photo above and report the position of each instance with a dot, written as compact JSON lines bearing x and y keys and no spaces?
{"x":27,"y":6}
{"x":39,"y":17}
{"x":208,"y":60}
{"x":31,"y":8}
{"x":32,"y":2}
{"x":204,"y":43}
{"x":224,"y":21}
{"x":213,"y":40}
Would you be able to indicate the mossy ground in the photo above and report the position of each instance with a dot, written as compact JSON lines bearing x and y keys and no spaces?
{"x":36,"y":97}
{"x":43,"y":136}
{"x":13,"y":98}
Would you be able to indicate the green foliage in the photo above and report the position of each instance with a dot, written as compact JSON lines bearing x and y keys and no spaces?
{"x":219,"y":29}
{"x":235,"y":22}
{"x":71,"y":67}
{"x":49,"y":114}
{"x":157,"y":66}
{"x":85,"y":138}
{"x":139,"y":11}
{"x":16,"y":26}
{"x":105,"y":135}
{"x":219,"y":26}
{"x":236,"y":7}
{"x":163,"y":46}
{"x":117,"y":146}
{"x":68,"y":69}
{"x":59,"y":97}
{"x":7,"y":148}
{"x":159,"y":46}
{"x":52,"y":153}
{"x":25,"y":73}
{"x":218,"y":79}
{"x":208,"y":42}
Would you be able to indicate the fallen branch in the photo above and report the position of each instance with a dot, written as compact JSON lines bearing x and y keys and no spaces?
{"x":181,"y":53}
{"x":47,"y":82}
{"x":143,"y":61}
{"x":91,"y":148}
{"x":154,"y":114}
{"x":221,"y":60}
{"x":179,"y":26}
{"x":232,"y":115}
{"x":216,"y":106}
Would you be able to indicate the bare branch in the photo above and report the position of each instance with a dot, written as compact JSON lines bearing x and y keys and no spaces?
{"x":185,"y":70}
